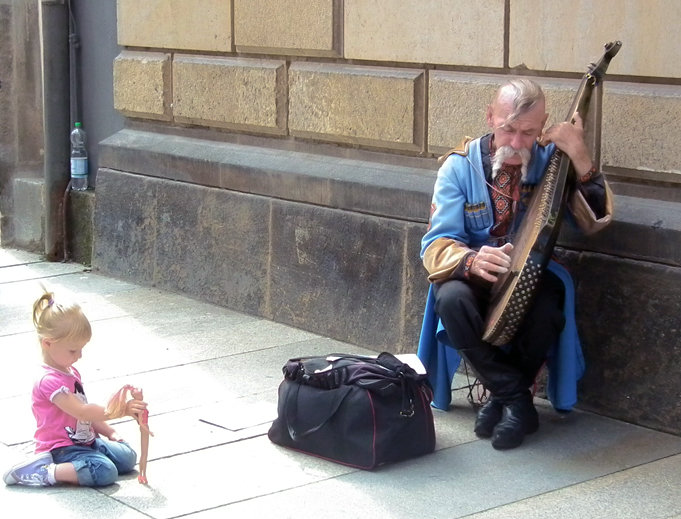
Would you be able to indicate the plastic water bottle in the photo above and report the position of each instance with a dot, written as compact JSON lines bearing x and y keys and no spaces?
{"x":79,"y":166}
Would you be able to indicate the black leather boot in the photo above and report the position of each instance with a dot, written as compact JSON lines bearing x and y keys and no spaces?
{"x":488,"y":417}
{"x":519,"y":418}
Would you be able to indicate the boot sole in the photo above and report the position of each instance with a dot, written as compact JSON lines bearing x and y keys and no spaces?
{"x":513,"y":445}
{"x":483,"y":434}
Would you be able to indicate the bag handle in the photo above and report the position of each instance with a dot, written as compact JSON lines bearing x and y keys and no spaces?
{"x":326,"y":404}
{"x":402,"y":374}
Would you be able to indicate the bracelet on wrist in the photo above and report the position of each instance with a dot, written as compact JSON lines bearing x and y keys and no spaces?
{"x":585,"y":178}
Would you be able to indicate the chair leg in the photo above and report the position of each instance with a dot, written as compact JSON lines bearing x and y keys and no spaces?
{"x":477,"y":395}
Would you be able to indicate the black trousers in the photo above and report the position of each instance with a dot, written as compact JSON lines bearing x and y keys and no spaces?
{"x":506,"y":372}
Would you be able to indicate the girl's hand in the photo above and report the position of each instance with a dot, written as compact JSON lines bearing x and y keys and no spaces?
{"x":113,"y":436}
{"x":135,"y":407}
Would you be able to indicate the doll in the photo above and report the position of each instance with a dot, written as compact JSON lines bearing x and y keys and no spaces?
{"x":116,"y":409}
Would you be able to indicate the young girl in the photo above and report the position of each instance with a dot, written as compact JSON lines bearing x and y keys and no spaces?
{"x":69,"y":448}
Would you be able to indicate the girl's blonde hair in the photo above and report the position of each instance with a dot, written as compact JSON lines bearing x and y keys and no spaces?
{"x":57,"y":321}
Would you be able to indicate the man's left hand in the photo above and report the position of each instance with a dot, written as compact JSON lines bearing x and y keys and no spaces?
{"x":569,"y":138}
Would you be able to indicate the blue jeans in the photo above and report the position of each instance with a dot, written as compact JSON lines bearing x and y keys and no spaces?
{"x":99,"y":464}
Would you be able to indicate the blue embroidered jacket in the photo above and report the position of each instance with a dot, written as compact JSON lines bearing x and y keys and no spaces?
{"x":461,"y":189}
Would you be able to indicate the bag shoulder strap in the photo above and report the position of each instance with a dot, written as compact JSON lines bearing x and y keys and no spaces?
{"x":319,"y":406}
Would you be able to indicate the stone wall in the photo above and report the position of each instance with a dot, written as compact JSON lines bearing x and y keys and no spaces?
{"x":409,"y":76}
{"x":279,"y":159}
{"x":20,"y":123}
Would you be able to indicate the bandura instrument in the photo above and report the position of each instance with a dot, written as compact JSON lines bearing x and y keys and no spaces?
{"x":533,"y":245}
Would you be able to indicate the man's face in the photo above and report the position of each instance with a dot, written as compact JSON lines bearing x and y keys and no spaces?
{"x":520,"y":133}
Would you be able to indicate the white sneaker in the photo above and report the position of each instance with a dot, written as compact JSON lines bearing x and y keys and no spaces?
{"x":31,"y":472}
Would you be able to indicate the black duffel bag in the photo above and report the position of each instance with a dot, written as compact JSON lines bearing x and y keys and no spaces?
{"x":355,"y":410}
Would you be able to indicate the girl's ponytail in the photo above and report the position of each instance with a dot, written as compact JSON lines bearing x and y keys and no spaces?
{"x":59,"y":320}
{"x":44,"y":302}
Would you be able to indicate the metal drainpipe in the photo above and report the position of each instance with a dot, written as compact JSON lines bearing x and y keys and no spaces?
{"x":54,"y":29}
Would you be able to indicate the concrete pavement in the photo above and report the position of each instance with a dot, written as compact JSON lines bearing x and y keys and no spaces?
{"x":210,"y":376}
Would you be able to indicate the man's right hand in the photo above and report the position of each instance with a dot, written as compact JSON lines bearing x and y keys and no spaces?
{"x":489,"y":262}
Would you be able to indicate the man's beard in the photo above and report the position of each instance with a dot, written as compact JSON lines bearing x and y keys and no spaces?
{"x":506,"y":152}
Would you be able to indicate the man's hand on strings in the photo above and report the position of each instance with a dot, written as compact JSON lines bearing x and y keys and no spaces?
{"x":489,"y":262}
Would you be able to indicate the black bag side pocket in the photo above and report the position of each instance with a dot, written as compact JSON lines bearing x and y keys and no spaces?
{"x":308,"y":411}
{"x":343,"y":432}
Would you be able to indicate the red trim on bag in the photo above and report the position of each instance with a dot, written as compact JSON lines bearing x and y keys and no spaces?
{"x":430,"y":424}
{"x":373,"y":440}
{"x":367,"y":467}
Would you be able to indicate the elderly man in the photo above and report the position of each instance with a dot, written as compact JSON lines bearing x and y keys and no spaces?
{"x":480,"y":196}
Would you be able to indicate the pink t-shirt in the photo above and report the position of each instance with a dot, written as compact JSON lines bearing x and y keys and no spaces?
{"x":55,"y":427}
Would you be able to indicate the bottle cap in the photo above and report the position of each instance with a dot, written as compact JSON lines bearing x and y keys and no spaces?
{"x":77,"y":125}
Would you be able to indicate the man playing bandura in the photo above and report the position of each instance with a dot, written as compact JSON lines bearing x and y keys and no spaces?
{"x":480,"y":197}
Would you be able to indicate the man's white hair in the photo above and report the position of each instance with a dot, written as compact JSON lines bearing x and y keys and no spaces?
{"x":524,"y":95}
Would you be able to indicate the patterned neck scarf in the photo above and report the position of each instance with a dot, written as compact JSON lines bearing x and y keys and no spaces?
{"x":505,"y":196}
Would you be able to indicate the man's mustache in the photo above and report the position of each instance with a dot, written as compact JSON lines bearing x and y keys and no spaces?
{"x":503,"y":153}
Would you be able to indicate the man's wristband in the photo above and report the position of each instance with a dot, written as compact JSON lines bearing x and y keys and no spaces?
{"x":591,"y":173}
{"x":467,"y":264}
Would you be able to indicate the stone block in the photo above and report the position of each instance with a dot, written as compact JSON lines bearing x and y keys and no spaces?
{"x":125,"y":226}
{"x":640,"y":126}
{"x":141,"y":82}
{"x":203,"y":25}
{"x":644,"y":229}
{"x":416,"y":287}
{"x":465,"y":32}
{"x":29,"y":203}
{"x":237,"y":93}
{"x":338,"y":273}
{"x":21,"y":83}
{"x":364,"y":105}
{"x":393,"y":189}
{"x":206,"y":242}
{"x":7,"y":131}
{"x":213,"y":244}
{"x":629,"y":316}
{"x":457,"y":105}
{"x":567,"y":36}
{"x":80,"y":217}
{"x":293,"y":27}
